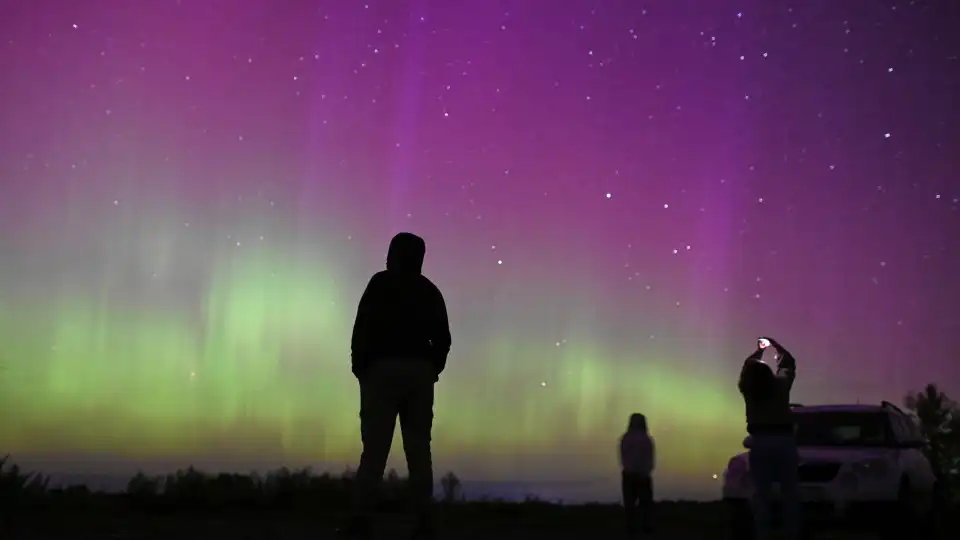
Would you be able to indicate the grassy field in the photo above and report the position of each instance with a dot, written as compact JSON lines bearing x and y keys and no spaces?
{"x":468,"y":521}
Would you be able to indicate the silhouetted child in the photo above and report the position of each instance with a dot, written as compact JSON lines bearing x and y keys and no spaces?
{"x":637,"y":459}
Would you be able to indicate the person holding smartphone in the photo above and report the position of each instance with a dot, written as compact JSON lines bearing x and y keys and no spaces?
{"x":773,"y":455}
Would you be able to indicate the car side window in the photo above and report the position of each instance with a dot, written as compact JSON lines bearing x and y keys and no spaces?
{"x":900,"y":432}
{"x":913,"y":429}
{"x":910,"y":429}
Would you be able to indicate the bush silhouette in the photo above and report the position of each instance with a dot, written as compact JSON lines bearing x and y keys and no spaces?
{"x":939,"y":418}
{"x":15,"y":483}
{"x":451,"y":488}
{"x":143,"y":486}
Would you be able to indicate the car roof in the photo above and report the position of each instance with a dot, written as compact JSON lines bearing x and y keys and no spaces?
{"x":840,"y":408}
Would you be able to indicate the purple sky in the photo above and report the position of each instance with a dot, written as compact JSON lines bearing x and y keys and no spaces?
{"x":632,"y":191}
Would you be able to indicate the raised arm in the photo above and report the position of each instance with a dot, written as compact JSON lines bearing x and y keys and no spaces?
{"x":752,"y":359}
{"x":786,"y":365}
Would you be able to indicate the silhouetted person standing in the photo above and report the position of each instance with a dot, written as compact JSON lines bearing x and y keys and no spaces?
{"x":773,"y":454}
{"x":401,"y":338}
{"x":637,"y":460}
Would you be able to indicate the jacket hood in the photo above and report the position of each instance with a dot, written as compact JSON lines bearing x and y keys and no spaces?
{"x":638,"y":423}
{"x":406,"y":253}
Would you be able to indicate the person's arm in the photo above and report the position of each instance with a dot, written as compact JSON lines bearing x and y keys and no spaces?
{"x":360,"y":340}
{"x":786,"y":365}
{"x":440,"y":340}
{"x":653,"y":454}
{"x":753,"y":358}
{"x":621,"y":455}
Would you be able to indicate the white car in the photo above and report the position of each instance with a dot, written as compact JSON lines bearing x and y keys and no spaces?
{"x":852,"y":458}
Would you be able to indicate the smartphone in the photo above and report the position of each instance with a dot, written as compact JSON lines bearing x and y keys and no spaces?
{"x":763,"y":343}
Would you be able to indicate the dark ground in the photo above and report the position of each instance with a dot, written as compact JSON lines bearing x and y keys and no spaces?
{"x":468,"y":521}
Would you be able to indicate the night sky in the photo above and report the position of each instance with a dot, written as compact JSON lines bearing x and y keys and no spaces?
{"x":617,"y":198}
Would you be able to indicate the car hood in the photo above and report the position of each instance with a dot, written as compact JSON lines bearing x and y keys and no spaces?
{"x":841,"y":453}
{"x":836,"y":453}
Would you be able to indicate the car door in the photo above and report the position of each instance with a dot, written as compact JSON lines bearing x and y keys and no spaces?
{"x":916,"y":464}
{"x":899,"y":431}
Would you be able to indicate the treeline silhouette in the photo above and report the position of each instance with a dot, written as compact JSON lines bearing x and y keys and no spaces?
{"x":192,"y":490}
{"x":282,"y":495}
{"x":195,"y":490}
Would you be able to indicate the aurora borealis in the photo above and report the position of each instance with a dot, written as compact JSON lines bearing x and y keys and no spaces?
{"x":616,"y":198}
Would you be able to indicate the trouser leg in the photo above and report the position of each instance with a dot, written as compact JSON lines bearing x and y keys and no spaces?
{"x":416,"y":425}
{"x":645,"y":503}
{"x":378,"y":416}
{"x":760,"y":470}
{"x":788,"y":473}
{"x":631,"y":496}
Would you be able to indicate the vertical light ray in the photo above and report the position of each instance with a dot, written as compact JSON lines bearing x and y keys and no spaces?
{"x":407,"y":125}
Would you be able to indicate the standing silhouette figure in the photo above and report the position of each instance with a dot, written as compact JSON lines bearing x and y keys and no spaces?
{"x":773,"y":456}
{"x":637,"y":461}
{"x":401,"y":338}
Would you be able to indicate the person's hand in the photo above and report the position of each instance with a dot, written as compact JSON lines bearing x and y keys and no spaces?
{"x":358,"y":372}
{"x":773,"y":342}
{"x":775,"y":345}
{"x":782,"y":354}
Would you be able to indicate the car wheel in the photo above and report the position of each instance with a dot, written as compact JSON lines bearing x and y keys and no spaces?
{"x":912,"y":514}
{"x":924,"y":514}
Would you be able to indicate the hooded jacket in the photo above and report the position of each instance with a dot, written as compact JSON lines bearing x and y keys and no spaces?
{"x":637,"y":448}
{"x":402,"y":314}
{"x":766,"y":394}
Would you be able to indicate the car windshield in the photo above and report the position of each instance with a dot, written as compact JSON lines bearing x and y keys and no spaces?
{"x":842,"y":428}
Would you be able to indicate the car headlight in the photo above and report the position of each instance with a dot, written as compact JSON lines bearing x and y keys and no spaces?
{"x":871,"y":468}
